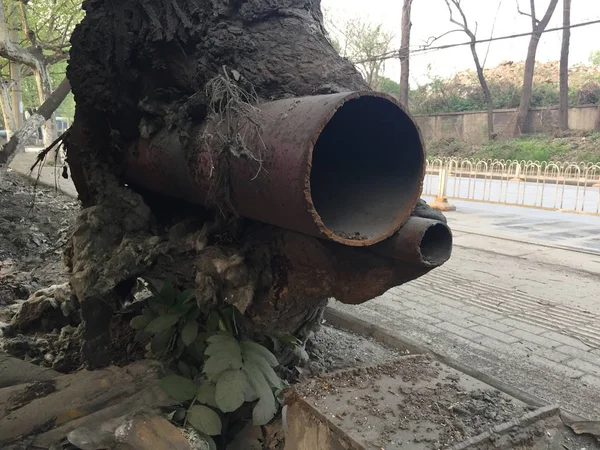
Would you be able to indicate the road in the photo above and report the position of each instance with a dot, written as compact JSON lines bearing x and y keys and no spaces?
{"x":561,"y":229}
{"x":549,"y":195}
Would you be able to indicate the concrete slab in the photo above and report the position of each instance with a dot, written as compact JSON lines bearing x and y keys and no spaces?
{"x":415,"y":403}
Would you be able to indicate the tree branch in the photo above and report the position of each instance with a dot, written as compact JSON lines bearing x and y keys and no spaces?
{"x":36,"y":120}
{"x":29,"y":34}
{"x":530,"y":15}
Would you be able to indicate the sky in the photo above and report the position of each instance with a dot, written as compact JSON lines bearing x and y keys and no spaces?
{"x":493,"y":18}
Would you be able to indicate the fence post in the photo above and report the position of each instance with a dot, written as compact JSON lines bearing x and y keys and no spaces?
{"x":441,"y":202}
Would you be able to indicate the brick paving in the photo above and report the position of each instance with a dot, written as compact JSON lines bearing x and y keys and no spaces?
{"x":533,"y":325}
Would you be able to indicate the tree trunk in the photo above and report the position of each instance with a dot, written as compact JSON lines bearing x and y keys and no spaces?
{"x":15,"y":74}
{"x":563,"y":111}
{"x":404,"y":53}
{"x":537,"y":31}
{"x":7,"y":109}
{"x":486,"y":91}
{"x":34,"y":122}
{"x":16,"y":94}
{"x":141,"y":67}
{"x":44,"y":87}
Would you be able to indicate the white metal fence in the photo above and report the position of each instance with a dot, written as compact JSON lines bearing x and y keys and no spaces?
{"x":571,"y":187}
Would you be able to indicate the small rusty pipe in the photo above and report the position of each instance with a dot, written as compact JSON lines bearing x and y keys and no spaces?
{"x":346,"y":167}
{"x":420,"y":241}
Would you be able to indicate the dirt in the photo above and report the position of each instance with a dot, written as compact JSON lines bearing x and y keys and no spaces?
{"x":34,"y":225}
{"x":414,"y":402}
{"x":333,"y":349}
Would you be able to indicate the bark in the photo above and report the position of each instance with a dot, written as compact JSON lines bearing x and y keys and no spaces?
{"x":32,"y":124}
{"x":44,"y":87}
{"x":404,"y":53}
{"x":15,"y":75}
{"x":563,"y":110}
{"x":140,"y":67}
{"x":7,"y":109}
{"x":16,"y":94}
{"x":538,"y":28}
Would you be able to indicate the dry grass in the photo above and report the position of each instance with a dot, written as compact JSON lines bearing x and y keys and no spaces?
{"x":233,"y":120}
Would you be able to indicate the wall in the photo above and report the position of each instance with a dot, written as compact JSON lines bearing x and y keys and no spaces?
{"x":471,"y":126}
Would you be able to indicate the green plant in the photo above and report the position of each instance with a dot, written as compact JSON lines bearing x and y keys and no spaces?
{"x":217,"y":370}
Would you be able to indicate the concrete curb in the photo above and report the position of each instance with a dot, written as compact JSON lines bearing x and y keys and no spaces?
{"x":361,"y":327}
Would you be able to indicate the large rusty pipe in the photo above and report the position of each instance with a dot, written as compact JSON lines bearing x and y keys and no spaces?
{"x":346,"y":167}
{"x":423,"y":242}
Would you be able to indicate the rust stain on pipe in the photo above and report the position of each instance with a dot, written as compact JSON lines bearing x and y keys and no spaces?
{"x":424,"y":242}
{"x":346,"y":167}
{"x":420,"y":241}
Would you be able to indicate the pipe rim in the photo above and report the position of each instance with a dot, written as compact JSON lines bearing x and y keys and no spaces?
{"x":412,"y":199}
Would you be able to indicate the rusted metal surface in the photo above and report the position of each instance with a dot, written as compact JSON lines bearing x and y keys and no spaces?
{"x":420,"y":241}
{"x":346,"y":167}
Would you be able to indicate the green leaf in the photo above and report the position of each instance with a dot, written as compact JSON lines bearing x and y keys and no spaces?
{"x":193,"y":314}
{"x":162,"y":323}
{"x":218,"y":338}
{"x":266,"y":408}
{"x":210,"y":442}
{"x":212,"y":324}
{"x":184,"y":369}
{"x":138,"y":322}
{"x":189,"y":332}
{"x":264,"y":411}
{"x":252,"y":347}
{"x":148,"y":314}
{"x":229,"y":393}
{"x":179,"y":349}
{"x":142,"y":336}
{"x":161,"y":341}
{"x":264,"y":367}
{"x":197,"y":350}
{"x":204,"y":419}
{"x":179,"y":415}
{"x":250,"y":395}
{"x":178,"y":388}
{"x":156,"y":306}
{"x":207,"y":394}
{"x":220,"y":363}
{"x":168,"y":294}
{"x":186,"y":296}
{"x":181,"y":309}
{"x":225,"y":347}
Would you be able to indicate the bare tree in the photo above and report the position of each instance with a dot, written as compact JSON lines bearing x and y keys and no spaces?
{"x":404,"y":52}
{"x":537,"y":27}
{"x":362,"y":43}
{"x":464,"y":26}
{"x":47,"y":31}
{"x":563,"y":109}
{"x":32,"y":124}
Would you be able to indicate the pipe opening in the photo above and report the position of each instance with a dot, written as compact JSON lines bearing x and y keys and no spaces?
{"x":436,"y":245}
{"x":366,"y":169}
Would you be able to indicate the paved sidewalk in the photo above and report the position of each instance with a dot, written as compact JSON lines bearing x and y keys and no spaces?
{"x":49,"y":176}
{"x":521,"y":313}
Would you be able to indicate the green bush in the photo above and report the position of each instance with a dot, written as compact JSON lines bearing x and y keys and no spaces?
{"x":216,"y":369}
